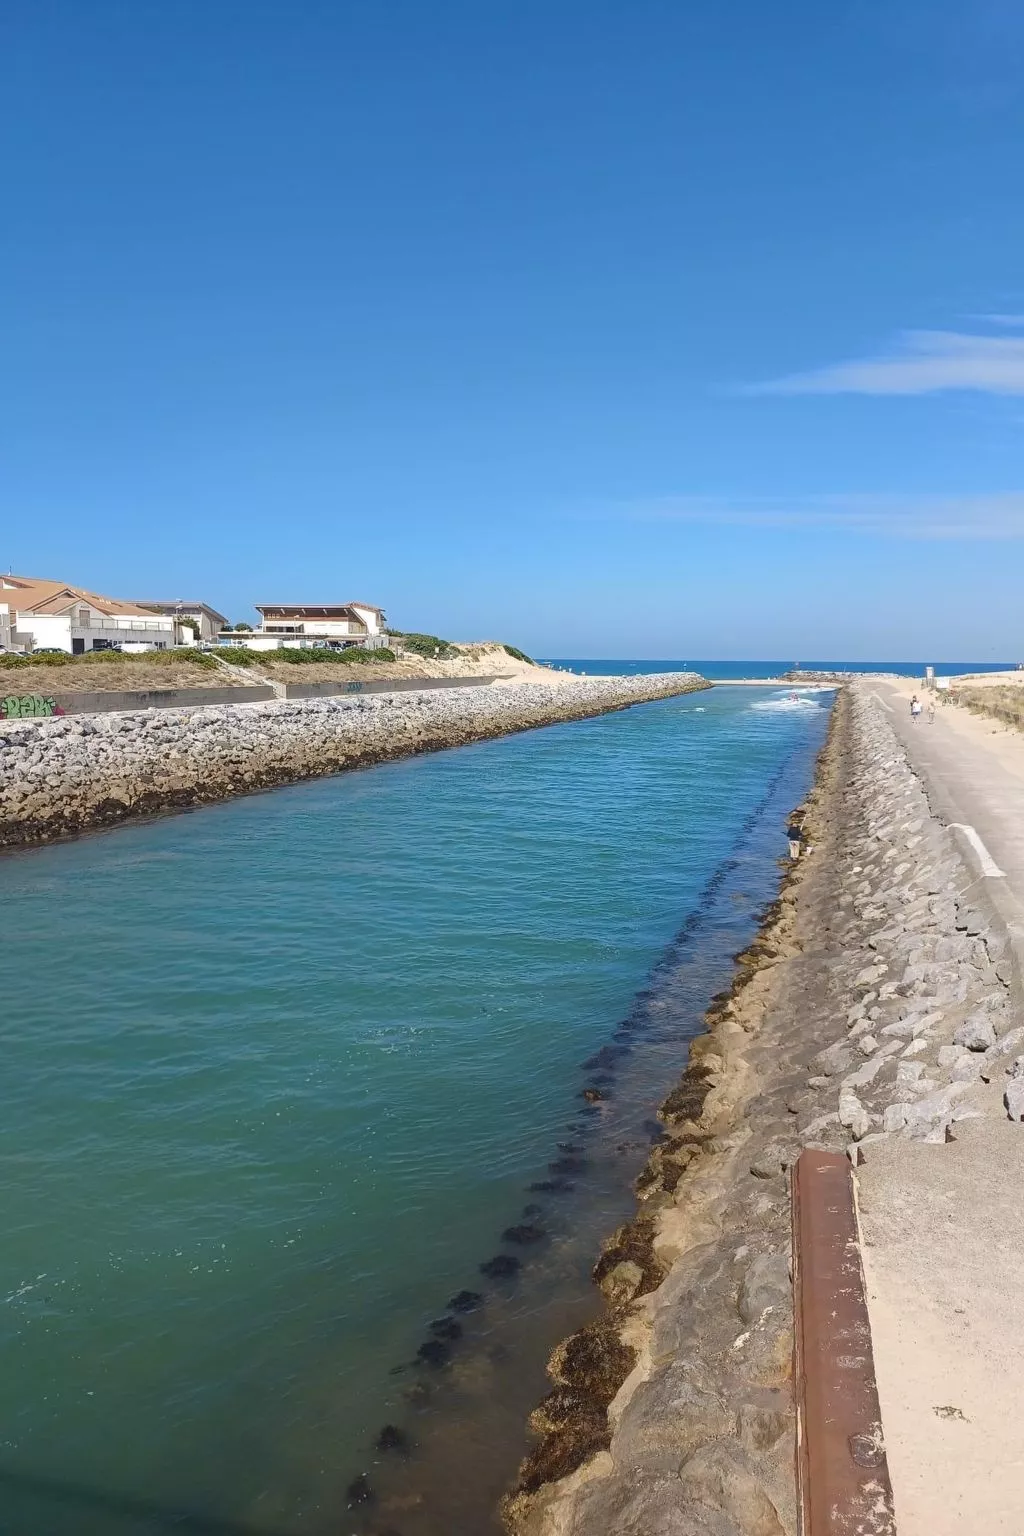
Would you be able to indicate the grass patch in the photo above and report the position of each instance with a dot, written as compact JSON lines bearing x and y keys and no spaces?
{"x":514,"y":651}
{"x":355,"y":656}
{"x":184,"y":657}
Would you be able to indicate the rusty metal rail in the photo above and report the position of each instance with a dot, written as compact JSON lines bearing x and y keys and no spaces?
{"x":842,"y":1477}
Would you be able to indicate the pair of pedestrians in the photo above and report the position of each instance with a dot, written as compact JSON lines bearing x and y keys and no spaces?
{"x":915,"y":710}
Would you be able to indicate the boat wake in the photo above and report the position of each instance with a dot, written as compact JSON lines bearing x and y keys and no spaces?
{"x":791,"y":700}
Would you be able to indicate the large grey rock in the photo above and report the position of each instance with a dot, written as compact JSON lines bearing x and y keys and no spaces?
{"x":722,"y":1478}
{"x":1013,"y":1098}
{"x":773,"y":1159}
{"x":671,"y":1415}
{"x":642,"y":1505}
{"x":977,"y":1032}
{"x":835,"y":1059}
{"x":1007,"y":1043}
{"x":868,"y":1072}
{"x":765,"y":1285}
{"x":853,"y":1115}
{"x":932,"y":1111}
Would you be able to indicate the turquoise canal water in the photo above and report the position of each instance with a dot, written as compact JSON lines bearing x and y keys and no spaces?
{"x":278,"y":1074}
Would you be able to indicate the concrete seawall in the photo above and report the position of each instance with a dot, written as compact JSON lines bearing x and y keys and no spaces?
{"x":66,"y":775}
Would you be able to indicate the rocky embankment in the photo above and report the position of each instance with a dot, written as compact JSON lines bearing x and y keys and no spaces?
{"x":61,"y":776}
{"x":879,"y":1002}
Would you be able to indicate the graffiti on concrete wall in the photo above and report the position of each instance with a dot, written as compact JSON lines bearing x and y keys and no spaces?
{"x":27,"y":706}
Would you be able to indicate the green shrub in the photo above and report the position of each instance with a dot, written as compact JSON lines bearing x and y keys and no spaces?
{"x":354,"y":656}
{"x":430,"y":646}
{"x":294,"y":656}
{"x":513,"y":650}
{"x":126,"y":658}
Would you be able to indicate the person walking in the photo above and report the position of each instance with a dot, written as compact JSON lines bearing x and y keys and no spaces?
{"x":931,"y":711}
{"x":795,"y":834}
{"x":915,"y":709}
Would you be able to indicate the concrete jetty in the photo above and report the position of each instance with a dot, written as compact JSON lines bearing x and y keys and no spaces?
{"x":877,"y":1017}
{"x":60,"y":776}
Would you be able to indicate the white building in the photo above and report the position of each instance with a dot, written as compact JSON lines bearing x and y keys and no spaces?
{"x":47,"y":615}
{"x":209,"y":621}
{"x":298,"y":625}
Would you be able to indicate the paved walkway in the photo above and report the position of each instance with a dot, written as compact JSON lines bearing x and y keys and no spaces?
{"x":943,"y":1227}
{"x":973,"y":770}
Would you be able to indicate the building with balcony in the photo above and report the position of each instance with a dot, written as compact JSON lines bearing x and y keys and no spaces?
{"x":193,"y":622}
{"x":334,"y":626}
{"x":36,"y":615}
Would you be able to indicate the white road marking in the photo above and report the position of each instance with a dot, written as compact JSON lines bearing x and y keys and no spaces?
{"x":881,"y":701}
{"x":988,"y":864}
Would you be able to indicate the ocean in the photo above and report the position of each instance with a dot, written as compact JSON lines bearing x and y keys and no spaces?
{"x":715,"y":670}
{"x":281,"y":1075}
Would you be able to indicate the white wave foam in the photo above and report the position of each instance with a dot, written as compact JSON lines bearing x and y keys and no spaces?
{"x":785,"y":705}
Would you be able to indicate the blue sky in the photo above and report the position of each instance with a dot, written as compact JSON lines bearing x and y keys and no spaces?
{"x":641,"y":329}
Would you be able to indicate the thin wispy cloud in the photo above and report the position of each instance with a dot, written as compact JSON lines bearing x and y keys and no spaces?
{"x":921,"y":363}
{"x":1009,"y":321}
{"x":921,"y":518}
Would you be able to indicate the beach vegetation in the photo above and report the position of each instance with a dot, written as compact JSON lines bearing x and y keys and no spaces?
{"x":181,"y":655}
{"x":1005,"y":704}
{"x":353,"y":656}
{"x":430,"y":646}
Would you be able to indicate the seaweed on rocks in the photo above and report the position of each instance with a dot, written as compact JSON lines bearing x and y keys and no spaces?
{"x":501,"y":1266}
{"x":435,"y":1353}
{"x":686,"y":1102}
{"x":588,"y":1368}
{"x":359,"y":1491}
{"x":525,"y":1232}
{"x":465,"y":1301}
{"x":446,"y":1328}
{"x":607,"y":1056}
{"x":667,"y":1163}
{"x":628,"y":1267}
{"x":391,"y":1438}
